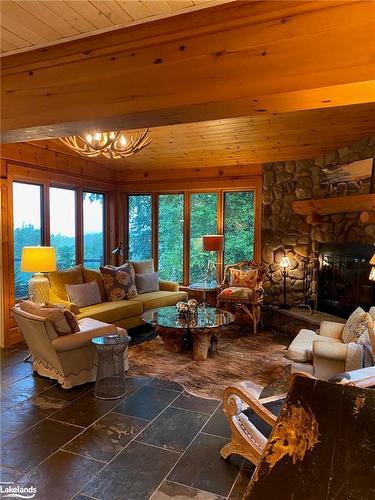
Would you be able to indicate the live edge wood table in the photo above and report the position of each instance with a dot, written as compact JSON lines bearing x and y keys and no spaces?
{"x":200,"y":333}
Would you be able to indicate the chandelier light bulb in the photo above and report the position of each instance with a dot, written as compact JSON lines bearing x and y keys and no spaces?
{"x":89,"y":138}
{"x":97,"y":136}
{"x":112,"y":135}
{"x":122,"y":140}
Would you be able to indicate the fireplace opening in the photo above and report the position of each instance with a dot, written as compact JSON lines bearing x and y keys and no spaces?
{"x":343,"y":278}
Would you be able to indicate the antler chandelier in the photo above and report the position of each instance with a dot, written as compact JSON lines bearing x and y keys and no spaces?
{"x":112,"y":145}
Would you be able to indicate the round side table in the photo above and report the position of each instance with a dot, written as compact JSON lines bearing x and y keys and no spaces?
{"x":203,"y":287}
{"x":110,"y":377}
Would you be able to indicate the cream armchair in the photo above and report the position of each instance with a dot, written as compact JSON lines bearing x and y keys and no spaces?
{"x":69,"y":359}
{"x":325,"y":354}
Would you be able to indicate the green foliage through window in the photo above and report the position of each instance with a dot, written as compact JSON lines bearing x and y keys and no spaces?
{"x":27,"y":229}
{"x":93,"y":230}
{"x":203,"y":220}
{"x":238,"y":226}
{"x":171,"y":236}
{"x":63,"y":225}
{"x":139,"y":213}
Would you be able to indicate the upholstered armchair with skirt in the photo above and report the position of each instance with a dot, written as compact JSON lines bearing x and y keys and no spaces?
{"x":70,"y":359}
{"x":241,"y":291}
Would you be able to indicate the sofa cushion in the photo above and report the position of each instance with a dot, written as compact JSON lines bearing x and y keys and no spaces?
{"x":152,"y":300}
{"x":119,"y":283}
{"x":143,"y":266}
{"x":85,"y":294}
{"x":58,"y":280}
{"x":355,"y":326}
{"x":109,"y":312}
{"x":94,"y":275}
{"x":147,"y":282}
{"x":300,"y":350}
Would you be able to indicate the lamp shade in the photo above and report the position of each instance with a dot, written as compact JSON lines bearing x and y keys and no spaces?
{"x":284,"y":262}
{"x":372,"y":274}
{"x":213,"y":242}
{"x":38,"y":259}
{"x":372,"y":261}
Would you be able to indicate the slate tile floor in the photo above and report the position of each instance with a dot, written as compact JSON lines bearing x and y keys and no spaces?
{"x":157,"y":443}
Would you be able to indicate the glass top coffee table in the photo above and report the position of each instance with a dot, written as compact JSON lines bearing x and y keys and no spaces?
{"x":200,"y":332}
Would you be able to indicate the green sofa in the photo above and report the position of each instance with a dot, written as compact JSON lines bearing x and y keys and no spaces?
{"x":123,"y":313}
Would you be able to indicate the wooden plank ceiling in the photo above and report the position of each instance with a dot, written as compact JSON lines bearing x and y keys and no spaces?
{"x":236,"y":59}
{"x":245,"y":140}
{"x":29,"y":24}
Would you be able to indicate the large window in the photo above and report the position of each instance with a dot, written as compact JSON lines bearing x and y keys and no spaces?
{"x":203,"y":220}
{"x":171,"y":236}
{"x":93,"y":230}
{"x":238,"y":226}
{"x":174,"y":229}
{"x":140,"y":227}
{"x":63,"y":225}
{"x":27,"y":225}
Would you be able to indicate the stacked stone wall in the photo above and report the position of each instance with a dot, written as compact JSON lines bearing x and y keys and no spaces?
{"x":283,"y":230}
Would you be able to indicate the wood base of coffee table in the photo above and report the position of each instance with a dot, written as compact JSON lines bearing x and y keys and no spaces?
{"x":204,"y":340}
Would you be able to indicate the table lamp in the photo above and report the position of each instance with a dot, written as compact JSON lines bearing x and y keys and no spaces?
{"x":38,"y":260}
{"x":284,"y":265}
{"x":212,"y":243}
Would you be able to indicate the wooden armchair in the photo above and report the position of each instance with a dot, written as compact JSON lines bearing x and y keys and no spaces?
{"x":242,"y":298}
{"x":247,"y":440}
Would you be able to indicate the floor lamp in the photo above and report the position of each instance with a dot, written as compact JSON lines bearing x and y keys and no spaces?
{"x":212,"y":243}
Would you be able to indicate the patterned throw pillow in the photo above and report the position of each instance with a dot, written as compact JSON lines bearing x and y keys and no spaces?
{"x":119,"y":283}
{"x":247,"y":279}
{"x":355,"y":326}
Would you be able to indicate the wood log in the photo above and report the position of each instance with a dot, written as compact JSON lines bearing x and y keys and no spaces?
{"x":367,"y":217}
{"x":327,"y":206}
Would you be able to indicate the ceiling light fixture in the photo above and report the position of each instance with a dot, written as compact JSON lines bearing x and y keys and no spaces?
{"x":112,"y":145}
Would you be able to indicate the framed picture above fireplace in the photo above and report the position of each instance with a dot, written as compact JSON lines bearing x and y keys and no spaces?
{"x":357,"y":177}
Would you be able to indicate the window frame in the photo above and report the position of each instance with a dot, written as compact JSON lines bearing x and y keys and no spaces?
{"x":45,"y":217}
{"x":254,"y":188}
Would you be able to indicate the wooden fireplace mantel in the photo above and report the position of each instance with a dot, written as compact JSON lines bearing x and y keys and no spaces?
{"x":312,"y":209}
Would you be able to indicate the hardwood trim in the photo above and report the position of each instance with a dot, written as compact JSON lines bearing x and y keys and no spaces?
{"x":186,"y":240}
{"x":79,"y":225}
{"x":327,"y":206}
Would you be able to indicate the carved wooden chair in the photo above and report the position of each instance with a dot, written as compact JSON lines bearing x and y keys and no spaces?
{"x":240,"y":298}
{"x":247,"y":440}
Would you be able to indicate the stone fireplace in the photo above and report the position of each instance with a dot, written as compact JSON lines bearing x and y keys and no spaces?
{"x":284,"y":230}
{"x":343,"y":278}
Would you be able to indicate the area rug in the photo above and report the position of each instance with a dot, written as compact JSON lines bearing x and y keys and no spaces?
{"x":256,"y":359}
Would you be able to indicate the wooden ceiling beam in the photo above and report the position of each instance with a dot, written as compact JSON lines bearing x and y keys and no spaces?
{"x":236,"y":59}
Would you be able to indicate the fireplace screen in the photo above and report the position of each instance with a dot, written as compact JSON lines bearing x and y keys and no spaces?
{"x":343,"y":278}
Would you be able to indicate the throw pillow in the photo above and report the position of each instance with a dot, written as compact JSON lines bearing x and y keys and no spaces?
{"x":119,"y":283}
{"x":69,"y":316}
{"x":94,"y":275}
{"x":86,"y":294}
{"x":58,"y":280}
{"x":355,"y":326}
{"x":143,"y":266}
{"x":54,"y":314}
{"x":148,"y":282}
{"x":247,"y":279}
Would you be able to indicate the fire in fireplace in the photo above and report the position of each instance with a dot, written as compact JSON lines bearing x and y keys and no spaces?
{"x":343,"y":278}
